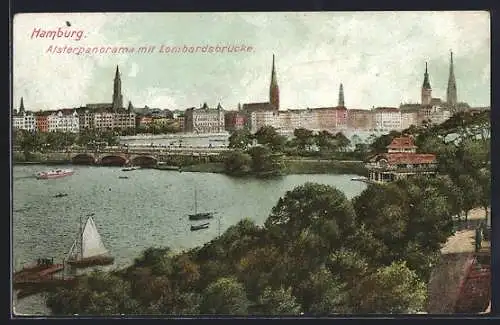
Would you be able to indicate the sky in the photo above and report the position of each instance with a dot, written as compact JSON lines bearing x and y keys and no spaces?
{"x":379,"y":57}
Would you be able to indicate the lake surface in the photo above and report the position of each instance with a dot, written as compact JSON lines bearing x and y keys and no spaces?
{"x":148,"y":209}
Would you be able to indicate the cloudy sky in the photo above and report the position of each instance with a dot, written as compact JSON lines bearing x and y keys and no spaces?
{"x":378,"y":56}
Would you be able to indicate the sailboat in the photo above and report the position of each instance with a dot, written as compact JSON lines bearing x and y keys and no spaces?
{"x":199,"y":215}
{"x":88,"y":249}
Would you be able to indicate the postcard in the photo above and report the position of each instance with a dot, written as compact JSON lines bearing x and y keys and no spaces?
{"x":251,"y":163}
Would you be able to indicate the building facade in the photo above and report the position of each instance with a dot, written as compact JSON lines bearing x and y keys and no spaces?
{"x":204,"y":119}
{"x":234,"y":120}
{"x":65,"y":120}
{"x":387,"y":119}
{"x":400,"y":161}
{"x":361,"y":119}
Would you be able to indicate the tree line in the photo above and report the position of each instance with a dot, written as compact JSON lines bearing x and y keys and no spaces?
{"x":318,"y":252}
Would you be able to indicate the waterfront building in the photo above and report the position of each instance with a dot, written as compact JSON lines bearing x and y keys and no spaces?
{"x":360,"y":119}
{"x":435,"y":114}
{"x":341,"y":118}
{"x":64,"y":120}
{"x":409,"y":117}
{"x":387,"y":119}
{"x":204,"y":119}
{"x":23,"y":120}
{"x":143,"y":121}
{"x":160,"y":120}
{"x":123,"y":119}
{"x":234,"y":120}
{"x":86,"y":118}
{"x":42,"y":122}
{"x":260,"y":118}
{"x":401,"y":160}
{"x":103,"y":120}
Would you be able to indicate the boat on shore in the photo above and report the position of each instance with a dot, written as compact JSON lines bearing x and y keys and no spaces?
{"x":88,"y":249}
{"x":199,"y":227}
{"x":55,"y":173}
{"x":43,"y":267}
{"x":29,"y":287}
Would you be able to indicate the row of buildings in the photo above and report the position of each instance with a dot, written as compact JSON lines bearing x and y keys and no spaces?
{"x":253,"y":116}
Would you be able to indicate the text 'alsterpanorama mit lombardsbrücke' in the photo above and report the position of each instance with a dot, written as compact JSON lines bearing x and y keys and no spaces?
{"x":148,"y":49}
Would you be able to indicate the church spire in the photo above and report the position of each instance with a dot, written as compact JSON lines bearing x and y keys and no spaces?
{"x":451,"y":93}
{"x":426,"y":93}
{"x":274,"y":92}
{"x":341,"y":96}
{"x":21,"y":106}
{"x":117,"y":91}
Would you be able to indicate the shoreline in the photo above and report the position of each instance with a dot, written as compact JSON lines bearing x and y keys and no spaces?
{"x":292,"y":167}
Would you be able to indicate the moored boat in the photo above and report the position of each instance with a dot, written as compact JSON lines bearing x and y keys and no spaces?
{"x":55,"y":173}
{"x":199,"y":227}
{"x":88,"y":249}
{"x":201,"y":216}
{"x":61,"y":195}
{"x":128,"y":169}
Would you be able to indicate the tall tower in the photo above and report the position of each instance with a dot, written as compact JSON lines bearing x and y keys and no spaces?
{"x":117,"y":91}
{"x":341,"y":96}
{"x":274,"y":91}
{"x":21,"y":106}
{"x":451,"y":93}
{"x":426,"y":94}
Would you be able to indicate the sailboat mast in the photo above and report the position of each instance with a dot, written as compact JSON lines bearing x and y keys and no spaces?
{"x":81,"y":238}
{"x":195,"y":202}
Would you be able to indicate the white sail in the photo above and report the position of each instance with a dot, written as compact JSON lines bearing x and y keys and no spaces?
{"x":91,"y":240}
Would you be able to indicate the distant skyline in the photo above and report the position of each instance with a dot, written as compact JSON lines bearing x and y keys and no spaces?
{"x":379,"y":57}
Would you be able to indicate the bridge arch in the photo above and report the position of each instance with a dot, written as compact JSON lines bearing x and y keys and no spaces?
{"x":113,"y":160}
{"x":144,"y":161}
{"x":83,"y":159}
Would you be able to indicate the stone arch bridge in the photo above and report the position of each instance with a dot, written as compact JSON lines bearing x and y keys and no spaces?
{"x":137,"y":158}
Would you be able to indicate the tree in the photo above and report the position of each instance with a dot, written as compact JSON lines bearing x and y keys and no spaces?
{"x":322,"y":208}
{"x":267,"y":135}
{"x":278,"y":302}
{"x":225,"y":296}
{"x":240,"y":139}
{"x":391,"y":289}
{"x":323,"y":294}
{"x":264,"y":162}
{"x":237,"y":163}
{"x":304,"y":138}
{"x":325,"y":141}
{"x":472,"y":192}
{"x":379,"y":145}
{"x":484,"y":179}
{"x":342,"y":141}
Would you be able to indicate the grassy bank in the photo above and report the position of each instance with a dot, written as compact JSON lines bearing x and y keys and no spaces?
{"x":294,"y":167}
{"x":324,"y":167}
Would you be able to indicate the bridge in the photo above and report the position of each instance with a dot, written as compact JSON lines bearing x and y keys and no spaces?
{"x":144,"y":156}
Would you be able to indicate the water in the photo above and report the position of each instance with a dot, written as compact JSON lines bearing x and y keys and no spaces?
{"x":148,"y":209}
